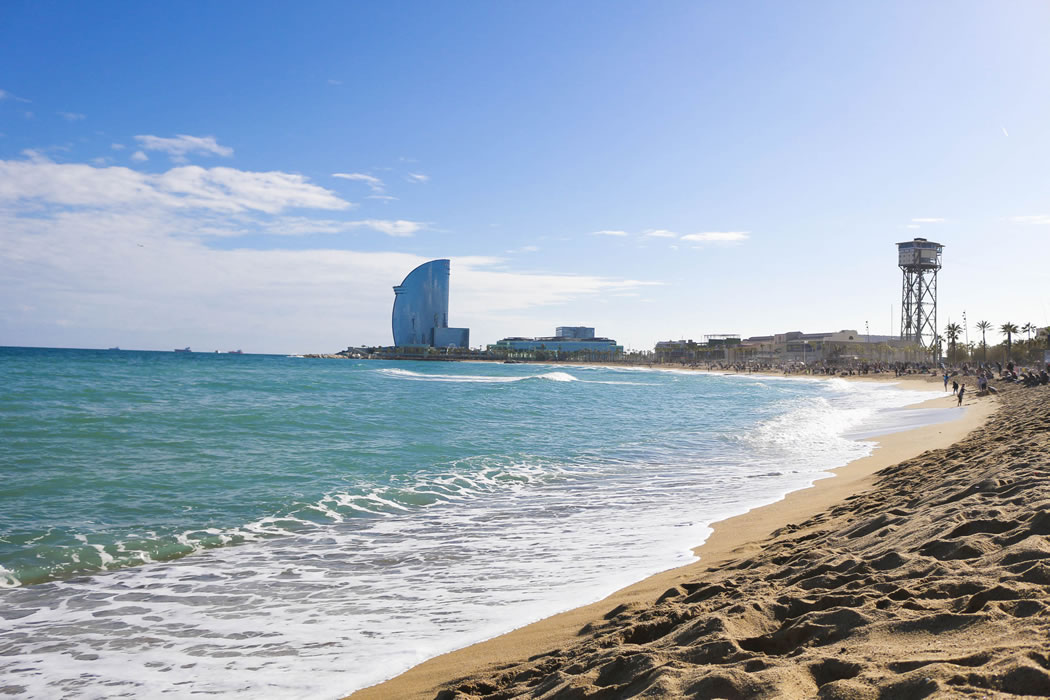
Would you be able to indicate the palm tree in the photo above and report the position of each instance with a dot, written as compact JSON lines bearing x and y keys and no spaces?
{"x":1008,"y":329}
{"x":952,"y":331}
{"x":983,"y":326}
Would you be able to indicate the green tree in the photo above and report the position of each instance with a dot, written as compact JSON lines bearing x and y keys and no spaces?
{"x":1029,"y":328}
{"x":1008,"y":329}
{"x":952,"y":331}
{"x":984,"y":326}
{"x":935,"y":347}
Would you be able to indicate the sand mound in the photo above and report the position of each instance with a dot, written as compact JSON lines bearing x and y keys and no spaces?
{"x":934,"y":583}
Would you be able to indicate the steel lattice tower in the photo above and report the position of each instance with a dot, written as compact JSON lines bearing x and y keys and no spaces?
{"x":919,"y":260}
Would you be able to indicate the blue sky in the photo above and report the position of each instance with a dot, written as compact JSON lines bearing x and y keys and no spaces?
{"x":259,"y":175}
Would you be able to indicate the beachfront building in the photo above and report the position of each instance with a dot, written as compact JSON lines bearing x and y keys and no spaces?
{"x":713,"y":348}
{"x":828,"y":347}
{"x":420,"y":315}
{"x":579,"y":332}
{"x":570,"y":343}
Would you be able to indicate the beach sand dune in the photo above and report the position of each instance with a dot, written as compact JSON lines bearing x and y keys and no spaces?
{"x":936,"y":582}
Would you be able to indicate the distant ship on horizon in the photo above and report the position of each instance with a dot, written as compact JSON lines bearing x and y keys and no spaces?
{"x":234,"y":352}
{"x":185,"y":349}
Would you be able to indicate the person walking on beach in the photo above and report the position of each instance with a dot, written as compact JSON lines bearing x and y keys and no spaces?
{"x":946,"y":381}
{"x":955,"y":387}
{"x":962,"y":390}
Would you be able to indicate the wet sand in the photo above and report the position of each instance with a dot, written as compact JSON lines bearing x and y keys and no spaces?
{"x":919,"y":567}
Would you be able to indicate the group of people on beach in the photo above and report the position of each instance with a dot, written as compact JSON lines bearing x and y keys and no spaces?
{"x":1009,"y":373}
{"x":957,"y":389}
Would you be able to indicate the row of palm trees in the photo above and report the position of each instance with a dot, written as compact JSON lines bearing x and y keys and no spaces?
{"x":953,"y":331}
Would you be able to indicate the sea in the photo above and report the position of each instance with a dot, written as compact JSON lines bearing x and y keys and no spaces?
{"x":176,"y":524}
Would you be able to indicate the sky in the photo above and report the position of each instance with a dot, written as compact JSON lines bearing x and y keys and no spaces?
{"x":259,"y":175}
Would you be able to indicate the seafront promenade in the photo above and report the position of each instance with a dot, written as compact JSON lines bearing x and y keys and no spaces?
{"x":925,"y":576}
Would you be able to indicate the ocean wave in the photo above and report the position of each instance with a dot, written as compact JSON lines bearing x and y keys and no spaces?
{"x":471,"y":479}
{"x":556,"y":376}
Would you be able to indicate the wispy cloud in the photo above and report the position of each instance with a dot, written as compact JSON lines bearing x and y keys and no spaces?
{"x":117,"y":146}
{"x":659,"y":233}
{"x":186,"y":187}
{"x":302,"y":226}
{"x":524,"y":249}
{"x":609,"y":232}
{"x":139,"y":156}
{"x":928,"y":220}
{"x":1037,"y":219}
{"x":333,"y":81}
{"x":417,"y":177}
{"x":374,"y":183}
{"x":912,"y":226}
{"x":399,"y":228}
{"x":717,"y":237}
{"x":181,"y":145}
{"x":5,"y":95}
{"x":72,"y":116}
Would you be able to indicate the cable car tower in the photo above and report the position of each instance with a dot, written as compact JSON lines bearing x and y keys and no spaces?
{"x":919,"y":260}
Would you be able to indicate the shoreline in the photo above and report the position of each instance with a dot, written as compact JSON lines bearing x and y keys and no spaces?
{"x":731,"y":538}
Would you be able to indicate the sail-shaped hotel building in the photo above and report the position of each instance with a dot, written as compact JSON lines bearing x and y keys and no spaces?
{"x":420,"y":316}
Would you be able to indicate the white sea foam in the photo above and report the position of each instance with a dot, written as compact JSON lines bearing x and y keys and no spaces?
{"x":556,"y":376}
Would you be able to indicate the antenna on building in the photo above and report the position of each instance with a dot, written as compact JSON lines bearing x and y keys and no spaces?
{"x":919,"y":261}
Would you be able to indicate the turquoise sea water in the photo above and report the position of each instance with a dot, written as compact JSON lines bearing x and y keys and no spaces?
{"x":176,"y":523}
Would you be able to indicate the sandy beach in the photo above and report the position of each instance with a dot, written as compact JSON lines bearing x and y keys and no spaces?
{"x":917,"y":570}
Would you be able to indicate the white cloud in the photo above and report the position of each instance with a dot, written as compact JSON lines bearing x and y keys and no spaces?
{"x":397,"y":228}
{"x":1037,"y":219}
{"x":717,"y":237}
{"x":181,"y":145}
{"x":227,"y":190}
{"x":660,"y":233}
{"x":383,"y":197}
{"x":928,"y":220}
{"x":117,"y":146}
{"x":608,"y":232}
{"x":484,"y":292}
{"x":139,"y":156}
{"x":374,"y":183}
{"x":72,"y":116}
{"x":5,"y":95}
{"x":301,"y":226}
{"x":417,"y":177}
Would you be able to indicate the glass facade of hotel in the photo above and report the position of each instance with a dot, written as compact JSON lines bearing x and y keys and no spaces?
{"x":420,"y":315}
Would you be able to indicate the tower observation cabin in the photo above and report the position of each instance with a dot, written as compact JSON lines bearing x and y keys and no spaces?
{"x":919,"y":261}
